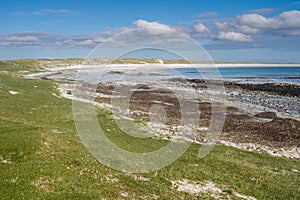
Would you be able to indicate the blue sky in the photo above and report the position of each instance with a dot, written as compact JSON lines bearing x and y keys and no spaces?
{"x":231,"y":30}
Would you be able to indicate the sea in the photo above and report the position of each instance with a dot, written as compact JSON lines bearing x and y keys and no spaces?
{"x":241,"y":74}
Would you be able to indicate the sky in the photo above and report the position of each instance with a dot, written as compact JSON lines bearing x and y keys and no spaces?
{"x":231,"y":30}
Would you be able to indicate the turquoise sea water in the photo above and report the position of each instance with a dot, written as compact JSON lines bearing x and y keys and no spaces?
{"x":244,"y":74}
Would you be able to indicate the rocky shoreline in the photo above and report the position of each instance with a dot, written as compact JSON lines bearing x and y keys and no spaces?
{"x":258,"y":117}
{"x":261,"y":131}
{"x":275,"y":97}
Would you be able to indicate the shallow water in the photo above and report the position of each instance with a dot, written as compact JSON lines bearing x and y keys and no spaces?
{"x":244,"y":74}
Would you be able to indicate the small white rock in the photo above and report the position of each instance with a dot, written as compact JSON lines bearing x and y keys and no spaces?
{"x":13,"y":92}
{"x":124,"y":194}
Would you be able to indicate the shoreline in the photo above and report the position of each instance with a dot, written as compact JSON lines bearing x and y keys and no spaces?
{"x":255,"y":120}
{"x":243,"y":137}
{"x":158,"y":66}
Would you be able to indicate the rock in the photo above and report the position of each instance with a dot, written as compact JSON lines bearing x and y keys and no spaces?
{"x":143,"y":86}
{"x":115,"y":72}
{"x":284,"y":89}
{"x":268,"y":115}
{"x":140,"y":74}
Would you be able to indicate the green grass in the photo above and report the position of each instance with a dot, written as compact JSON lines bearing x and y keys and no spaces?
{"x":46,"y":159}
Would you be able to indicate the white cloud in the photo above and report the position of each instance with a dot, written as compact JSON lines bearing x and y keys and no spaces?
{"x":233,"y":26}
{"x":288,"y":19}
{"x":19,"y":41}
{"x":243,"y":29}
{"x":257,"y":21}
{"x":286,"y":23}
{"x":153,"y":28}
{"x":154,"y":33}
{"x":51,"y":11}
{"x":145,"y":24}
{"x":22,"y":39}
{"x":201,"y":28}
{"x":86,"y":43}
{"x":234,"y":36}
{"x":221,"y":26}
{"x":247,"y":29}
{"x":141,"y":32}
{"x":99,"y":39}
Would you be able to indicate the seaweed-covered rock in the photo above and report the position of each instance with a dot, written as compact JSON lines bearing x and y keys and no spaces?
{"x":268,"y":115}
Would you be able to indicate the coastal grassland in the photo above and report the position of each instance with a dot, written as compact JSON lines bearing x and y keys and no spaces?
{"x":36,"y":65}
{"x":42,"y":157}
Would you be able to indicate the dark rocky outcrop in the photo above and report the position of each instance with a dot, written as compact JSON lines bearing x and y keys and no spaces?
{"x":268,"y":115}
{"x":277,"y":88}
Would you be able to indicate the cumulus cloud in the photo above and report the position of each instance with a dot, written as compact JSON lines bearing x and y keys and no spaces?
{"x":289,"y":19}
{"x":145,"y":24}
{"x":155,"y":33}
{"x":234,"y":26}
{"x":286,"y":23}
{"x":153,"y":28}
{"x":277,"y":24}
{"x":222,"y":25}
{"x":234,"y":36}
{"x":201,"y":28}
{"x":257,"y":21}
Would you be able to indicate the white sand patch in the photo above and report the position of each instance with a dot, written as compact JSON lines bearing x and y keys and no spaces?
{"x":202,"y":128}
{"x":13,"y":92}
{"x":195,"y":188}
{"x":294,"y":170}
{"x":124,"y":194}
{"x":206,"y":187}
{"x":138,"y":178}
{"x":56,"y":95}
{"x":289,"y":152}
{"x":242,"y":196}
{"x":111,"y":179}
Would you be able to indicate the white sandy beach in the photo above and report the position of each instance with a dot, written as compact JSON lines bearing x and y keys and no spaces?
{"x":159,"y":66}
